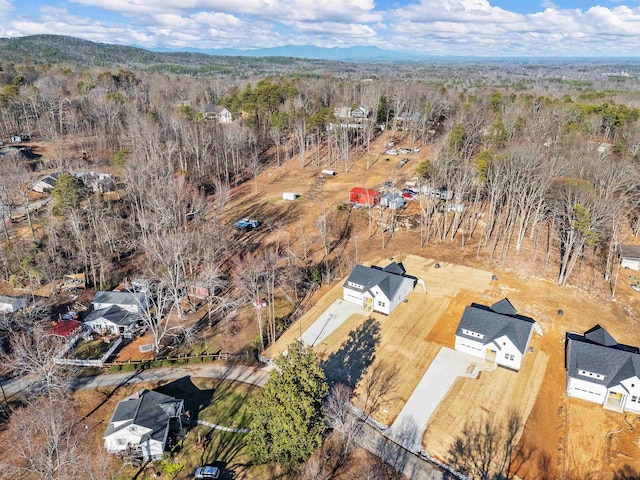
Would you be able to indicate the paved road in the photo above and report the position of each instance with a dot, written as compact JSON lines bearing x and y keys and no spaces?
{"x":233,"y":372}
{"x":369,"y":438}
{"x":411,"y":422}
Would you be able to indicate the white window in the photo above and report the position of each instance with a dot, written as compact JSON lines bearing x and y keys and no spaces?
{"x":508,"y":356}
{"x":381,"y":304}
{"x":586,"y":373}
{"x":634,"y":398}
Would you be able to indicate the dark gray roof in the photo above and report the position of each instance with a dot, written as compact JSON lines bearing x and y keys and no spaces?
{"x":504,"y":307}
{"x":388,"y":279}
{"x":119,"y":298}
{"x":148,"y":409}
{"x":114,"y":314}
{"x":494,"y":324}
{"x":600,"y":336}
{"x":629,"y":251}
{"x":597,"y":352}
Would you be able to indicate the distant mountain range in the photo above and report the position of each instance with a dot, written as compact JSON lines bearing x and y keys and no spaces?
{"x":346,"y":54}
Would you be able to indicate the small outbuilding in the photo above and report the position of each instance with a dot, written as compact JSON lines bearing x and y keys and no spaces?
{"x":329,"y":173}
{"x":290,"y":196}
{"x":630,"y":256}
{"x":393,"y":201}
{"x":11,"y":304}
{"x":364,"y":196}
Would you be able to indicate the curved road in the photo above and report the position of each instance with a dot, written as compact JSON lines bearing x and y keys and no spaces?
{"x":369,"y":438}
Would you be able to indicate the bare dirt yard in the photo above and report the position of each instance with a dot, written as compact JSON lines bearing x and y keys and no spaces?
{"x":561,"y":437}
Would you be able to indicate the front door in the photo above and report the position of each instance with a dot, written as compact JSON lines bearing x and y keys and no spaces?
{"x":490,"y":355}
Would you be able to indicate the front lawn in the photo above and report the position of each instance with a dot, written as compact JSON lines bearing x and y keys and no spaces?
{"x":93,"y":349}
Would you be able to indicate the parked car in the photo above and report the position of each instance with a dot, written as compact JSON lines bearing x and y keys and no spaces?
{"x":407,"y":195}
{"x":403,"y":162}
{"x":246,"y":224}
{"x":416,"y":150}
{"x":207,"y":472}
{"x":388,"y":184}
{"x":404,"y":150}
{"x":392,"y":151}
{"x":636,"y":287}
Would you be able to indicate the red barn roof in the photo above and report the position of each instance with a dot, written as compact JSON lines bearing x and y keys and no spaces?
{"x":64,"y":328}
{"x":365,"y":196}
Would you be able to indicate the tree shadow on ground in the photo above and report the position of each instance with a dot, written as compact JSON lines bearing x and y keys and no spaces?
{"x":626,"y":473}
{"x":195,"y":400}
{"x":354,"y":356}
{"x":398,"y":460}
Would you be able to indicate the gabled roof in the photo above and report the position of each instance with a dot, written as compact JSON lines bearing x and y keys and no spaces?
{"x":148,"y":409}
{"x":597,"y":352}
{"x":388,"y":279}
{"x":120,"y":298}
{"x":114,"y":314}
{"x":504,"y":307}
{"x":600,"y":336}
{"x":494,"y":322}
{"x":629,"y":251}
{"x":10,"y":300}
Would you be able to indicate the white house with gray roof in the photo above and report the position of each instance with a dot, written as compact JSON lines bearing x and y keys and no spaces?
{"x":381,"y":289}
{"x":113,"y":319}
{"x":497,"y":334}
{"x":133,"y":302}
{"x":603,"y":371}
{"x":141,"y":423}
{"x":11,"y":304}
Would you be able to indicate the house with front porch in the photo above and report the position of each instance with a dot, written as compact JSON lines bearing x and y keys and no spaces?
{"x":141,"y":423}
{"x":379,"y":289}
{"x":601,"y":370}
{"x":497,"y":334}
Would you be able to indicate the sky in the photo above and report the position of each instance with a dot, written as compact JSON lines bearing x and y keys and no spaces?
{"x":599,"y":28}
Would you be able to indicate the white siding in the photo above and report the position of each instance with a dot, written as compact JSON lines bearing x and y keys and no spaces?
{"x":631,"y":263}
{"x":405,"y":289}
{"x":586,"y":390}
{"x":15,"y":305}
{"x":352,"y":296}
{"x":469,"y":346}
{"x":632,"y":390}
{"x":507,"y":354}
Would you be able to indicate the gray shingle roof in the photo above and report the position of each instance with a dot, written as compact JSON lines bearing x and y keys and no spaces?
{"x":148,"y":409}
{"x":119,"y":298}
{"x":388,"y":279}
{"x":114,"y":314}
{"x":597,"y":352}
{"x":494,"y":324}
{"x":9,"y":300}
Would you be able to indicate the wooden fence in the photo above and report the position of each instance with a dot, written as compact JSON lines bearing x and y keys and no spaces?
{"x":184,"y":359}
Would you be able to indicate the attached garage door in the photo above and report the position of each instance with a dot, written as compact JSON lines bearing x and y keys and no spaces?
{"x":468,"y":347}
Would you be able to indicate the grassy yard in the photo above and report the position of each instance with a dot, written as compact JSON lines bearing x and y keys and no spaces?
{"x":215,"y":401}
{"x":94,"y":349}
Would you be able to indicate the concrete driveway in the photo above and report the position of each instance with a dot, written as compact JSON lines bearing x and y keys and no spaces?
{"x":411,"y":423}
{"x":334,"y":316}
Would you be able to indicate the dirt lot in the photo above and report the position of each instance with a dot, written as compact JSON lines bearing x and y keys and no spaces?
{"x":556,"y":437}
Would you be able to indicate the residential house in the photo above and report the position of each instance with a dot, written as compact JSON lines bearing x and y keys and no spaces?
{"x":113,"y":319}
{"x":218,"y":113}
{"x":603,"y":371}
{"x":381,"y":289}
{"x":141,"y":423}
{"x":629,"y":256}
{"x":97,"y":182}
{"x":359,"y":112}
{"x":496,"y":334}
{"x":11,"y":304}
{"x":133,"y":302}
{"x":364,"y":196}
{"x":46,"y":184}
